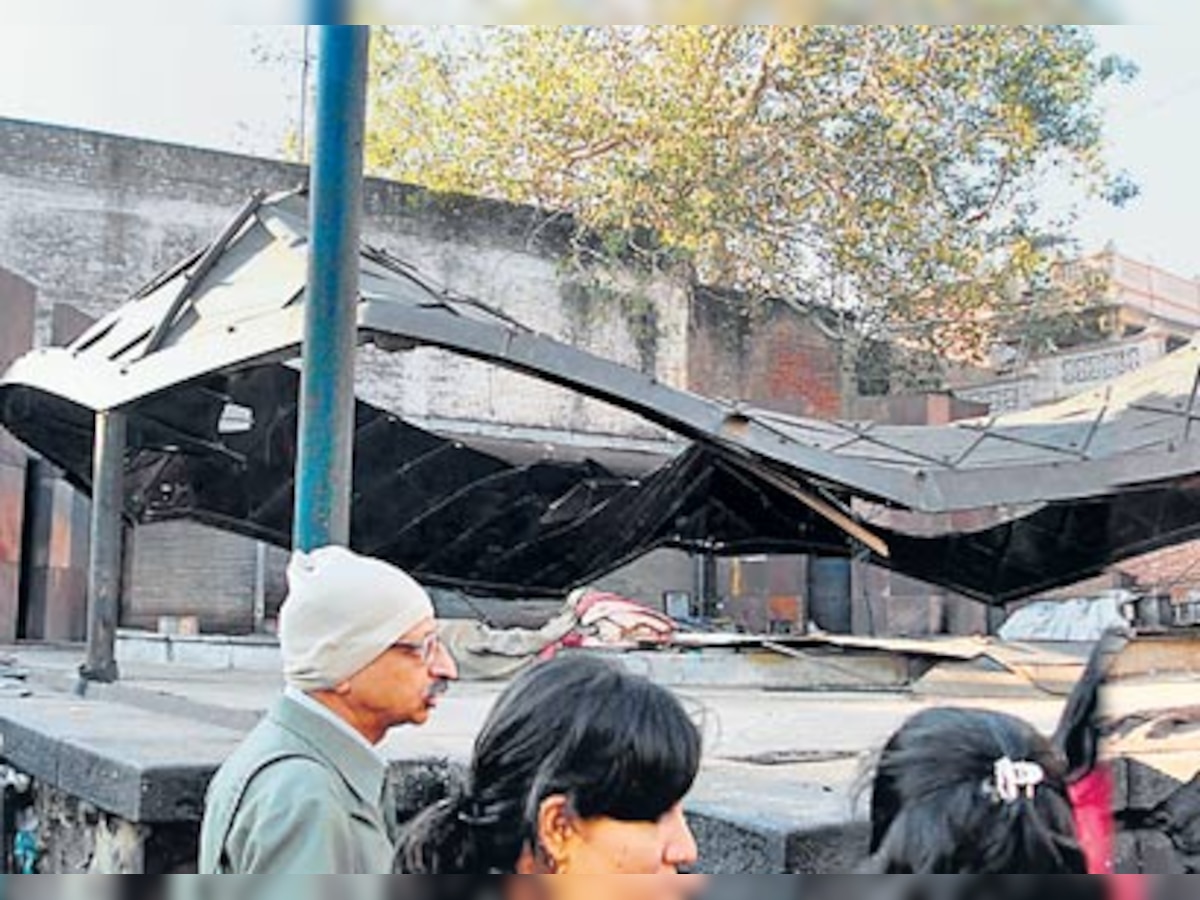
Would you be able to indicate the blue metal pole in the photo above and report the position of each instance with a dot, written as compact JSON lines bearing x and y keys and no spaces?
{"x":328,"y":12}
{"x":326,"y":429}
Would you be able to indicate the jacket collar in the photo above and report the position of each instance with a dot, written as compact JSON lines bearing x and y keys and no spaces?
{"x":361,"y":768}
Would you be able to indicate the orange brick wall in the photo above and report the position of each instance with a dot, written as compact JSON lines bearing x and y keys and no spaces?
{"x":765,"y":354}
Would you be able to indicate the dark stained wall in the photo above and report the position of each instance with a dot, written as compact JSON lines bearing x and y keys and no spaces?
{"x":764,"y":353}
{"x":18,"y":300}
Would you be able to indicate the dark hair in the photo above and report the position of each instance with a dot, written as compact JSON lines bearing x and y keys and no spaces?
{"x":934,"y":810}
{"x":614,"y":744}
{"x":931,"y":887}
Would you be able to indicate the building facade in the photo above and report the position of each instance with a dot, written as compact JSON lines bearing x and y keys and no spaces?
{"x":1145,"y":313}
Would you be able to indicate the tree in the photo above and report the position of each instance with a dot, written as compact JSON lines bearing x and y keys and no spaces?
{"x":892,"y":172}
{"x":786,"y":12}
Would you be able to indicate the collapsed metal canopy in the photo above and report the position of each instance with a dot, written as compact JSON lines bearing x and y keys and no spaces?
{"x":995,"y":509}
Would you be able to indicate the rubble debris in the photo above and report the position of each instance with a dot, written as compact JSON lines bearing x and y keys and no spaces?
{"x":1160,"y":821}
{"x":588,"y":620}
{"x":1082,"y":620}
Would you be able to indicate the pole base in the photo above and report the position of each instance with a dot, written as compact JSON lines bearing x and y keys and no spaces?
{"x":105,"y":674}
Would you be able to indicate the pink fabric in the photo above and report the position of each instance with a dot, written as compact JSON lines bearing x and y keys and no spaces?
{"x":1092,"y":799}
{"x":612,"y":620}
{"x":1129,"y":887}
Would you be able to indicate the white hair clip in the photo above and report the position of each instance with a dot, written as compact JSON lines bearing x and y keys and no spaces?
{"x":1012,"y":780}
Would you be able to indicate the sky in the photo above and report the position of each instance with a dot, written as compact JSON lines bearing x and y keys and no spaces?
{"x":1154,"y":133}
{"x":237,"y":87}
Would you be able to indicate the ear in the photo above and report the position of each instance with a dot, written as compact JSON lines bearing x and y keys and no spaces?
{"x":556,"y":832}
{"x":343,"y":688}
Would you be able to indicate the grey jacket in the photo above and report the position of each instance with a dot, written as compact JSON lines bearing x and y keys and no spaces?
{"x":299,"y":796}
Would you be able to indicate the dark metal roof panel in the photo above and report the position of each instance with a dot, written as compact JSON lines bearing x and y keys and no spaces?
{"x":245,"y":312}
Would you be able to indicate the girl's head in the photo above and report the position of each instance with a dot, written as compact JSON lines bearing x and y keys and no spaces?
{"x":965,"y":791}
{"x":581,"y":768}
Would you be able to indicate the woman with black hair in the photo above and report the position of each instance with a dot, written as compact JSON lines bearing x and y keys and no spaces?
{"x":581,"y":768}
{"x":963,"y":791}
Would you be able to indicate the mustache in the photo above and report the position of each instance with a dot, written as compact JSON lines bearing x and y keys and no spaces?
{"x":438,"y":688}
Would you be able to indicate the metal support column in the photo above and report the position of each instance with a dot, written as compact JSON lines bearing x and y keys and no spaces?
{"x":710,"y":596}
{"x":107,"y":535}
{"x":326,"y":430}
{"x":260,"y":588}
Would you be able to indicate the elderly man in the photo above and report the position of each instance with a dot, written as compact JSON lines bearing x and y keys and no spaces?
{"x":304,"y":791}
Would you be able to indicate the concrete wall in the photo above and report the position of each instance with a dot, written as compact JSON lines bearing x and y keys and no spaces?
{"x":90,"y":217}
{"x":885,"y":603}
{"x":19,"y":299}
{"x":1147,"y":294}
{"x":1053,"y":378}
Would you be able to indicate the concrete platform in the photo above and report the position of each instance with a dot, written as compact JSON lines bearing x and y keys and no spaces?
{"x":777,"y":791}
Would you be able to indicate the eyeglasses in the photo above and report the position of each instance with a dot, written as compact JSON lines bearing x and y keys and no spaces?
{"x":426,"y":649}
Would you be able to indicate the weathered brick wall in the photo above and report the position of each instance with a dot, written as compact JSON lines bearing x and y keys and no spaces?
{"x":183,"y":567}
{"x":17,"y":302}
{"x":767,"y":355}
{"x":89,"y":217}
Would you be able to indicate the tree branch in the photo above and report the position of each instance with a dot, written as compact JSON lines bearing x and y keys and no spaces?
{"x":594,"y":150}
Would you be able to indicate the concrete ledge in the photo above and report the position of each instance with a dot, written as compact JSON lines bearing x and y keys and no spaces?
{"x":734,"y":844}
{"x":777,"y":819}
{"x":729,"y":846}
{"x":810,"y":670}
{"x":141,"y":766}
{"x":255,"y":653}
{"x":151,"y":768}
{"x":712,"y":667}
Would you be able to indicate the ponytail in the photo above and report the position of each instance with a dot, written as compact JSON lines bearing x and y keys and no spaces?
{"x":972,"y":792}
{"x":439,"y":841}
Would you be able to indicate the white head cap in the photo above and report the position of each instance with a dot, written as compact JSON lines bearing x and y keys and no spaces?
{"x":342,"y":611}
